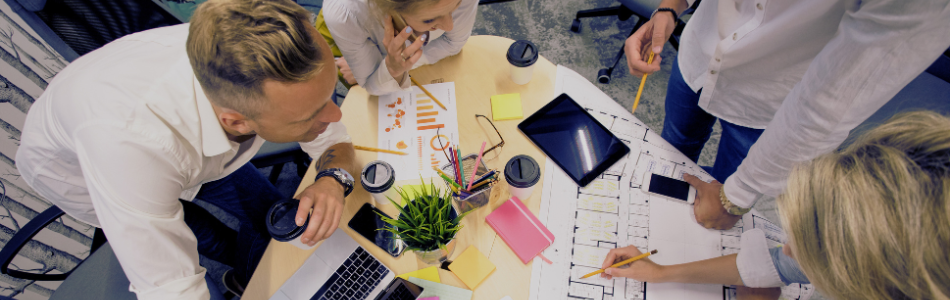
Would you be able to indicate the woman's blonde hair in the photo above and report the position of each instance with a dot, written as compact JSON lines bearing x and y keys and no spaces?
{"x":235,"y":45}
{"x":871,"y":221}
{"x":401,"y":7}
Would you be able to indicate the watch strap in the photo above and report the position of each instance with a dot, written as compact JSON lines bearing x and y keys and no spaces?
{"x":332,"y":172}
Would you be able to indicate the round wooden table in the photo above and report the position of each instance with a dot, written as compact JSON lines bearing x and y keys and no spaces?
{"x":479,"y":71}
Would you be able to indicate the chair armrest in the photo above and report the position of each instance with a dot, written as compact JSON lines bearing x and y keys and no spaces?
{"x":24,"y":235}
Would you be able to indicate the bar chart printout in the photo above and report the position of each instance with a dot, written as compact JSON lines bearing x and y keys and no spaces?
{"x":411,"y":122}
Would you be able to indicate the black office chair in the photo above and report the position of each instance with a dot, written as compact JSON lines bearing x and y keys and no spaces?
{"x":628,"y":8}
{"x":99,"y":276}
{"x":276,"y":155}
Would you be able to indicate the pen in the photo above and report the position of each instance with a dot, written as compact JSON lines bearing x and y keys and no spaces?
{"x":446,"y":177}
{"x":378,"y":150}
{"x":642,"y":82}
{"x":480,"y":184}
{"x":635,"y":258}
{"x":424,"y":90}
{"x":475,"y":169}
{"x":485,"y":176}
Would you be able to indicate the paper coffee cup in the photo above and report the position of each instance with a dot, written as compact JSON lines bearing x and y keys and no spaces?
{"x":281,"y":225}
{"x":522,"y":55}
{"x":522,"y":173}
{"x":377,"y":178}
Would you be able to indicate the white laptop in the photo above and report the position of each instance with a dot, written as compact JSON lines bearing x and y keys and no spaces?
{"x":340,"y":269}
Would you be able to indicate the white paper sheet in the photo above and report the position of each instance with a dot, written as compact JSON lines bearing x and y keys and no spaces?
{"x":409,"y":122}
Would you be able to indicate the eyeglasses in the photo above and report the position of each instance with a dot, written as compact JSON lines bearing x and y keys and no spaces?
{"x":500,"y":138}
{"x":491,"y":152}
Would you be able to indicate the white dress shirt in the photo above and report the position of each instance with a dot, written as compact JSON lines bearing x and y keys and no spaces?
{"x":359,"y":33}
{"x":119,"y":136}
{"x":807,"y":71}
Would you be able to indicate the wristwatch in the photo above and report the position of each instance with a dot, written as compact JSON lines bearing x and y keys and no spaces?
{"x":341,"y":176}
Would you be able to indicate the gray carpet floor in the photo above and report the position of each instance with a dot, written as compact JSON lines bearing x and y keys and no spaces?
{"x":547,"y":23}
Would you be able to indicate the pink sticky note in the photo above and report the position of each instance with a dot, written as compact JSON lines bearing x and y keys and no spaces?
{"x":429,"y":298}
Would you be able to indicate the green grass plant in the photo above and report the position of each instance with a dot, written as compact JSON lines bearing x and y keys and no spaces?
{"x":426,"y":222}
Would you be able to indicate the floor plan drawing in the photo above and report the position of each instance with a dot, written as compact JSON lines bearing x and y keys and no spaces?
{"x":613,"y":211}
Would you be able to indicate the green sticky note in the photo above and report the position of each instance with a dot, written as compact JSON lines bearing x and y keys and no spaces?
{"x":506,"y":107}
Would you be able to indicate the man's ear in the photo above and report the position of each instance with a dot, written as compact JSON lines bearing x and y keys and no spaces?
{"x":234,"y":121}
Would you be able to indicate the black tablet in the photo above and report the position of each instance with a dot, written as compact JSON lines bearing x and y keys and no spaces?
{"x":570,"y":136}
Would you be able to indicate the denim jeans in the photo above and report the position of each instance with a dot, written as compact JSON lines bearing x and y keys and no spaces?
{"x":687,"y":127}
{"x":788,"y":269}
{"x":247,"y":196}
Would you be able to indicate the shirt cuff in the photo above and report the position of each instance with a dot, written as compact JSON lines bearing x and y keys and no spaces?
{"x":189,"y":287}
{"x":386,"y":80}
{"x":740,"y":194}
{"x":755,"y":262}
{"x":335,"y":134}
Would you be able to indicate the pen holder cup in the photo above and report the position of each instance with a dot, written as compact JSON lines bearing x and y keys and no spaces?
{"x":480,"y":195}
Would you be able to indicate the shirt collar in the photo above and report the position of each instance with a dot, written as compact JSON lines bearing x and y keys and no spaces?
{"x":214,"y":141}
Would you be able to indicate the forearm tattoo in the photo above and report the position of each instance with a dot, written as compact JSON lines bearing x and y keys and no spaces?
{"x":325,"y":159}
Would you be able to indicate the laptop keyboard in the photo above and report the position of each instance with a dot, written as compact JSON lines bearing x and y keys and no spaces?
{"x":354,"y":279}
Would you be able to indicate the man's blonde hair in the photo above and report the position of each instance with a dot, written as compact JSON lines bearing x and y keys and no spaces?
{"x":872,"y":221}
{"x":235,"y":45}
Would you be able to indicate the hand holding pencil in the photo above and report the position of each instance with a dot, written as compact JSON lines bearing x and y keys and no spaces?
{"x":628,"y":262}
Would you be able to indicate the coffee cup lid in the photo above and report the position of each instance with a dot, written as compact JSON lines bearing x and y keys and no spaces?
{"x":522,"y":171}
{"x":378,"y":176}
{"x":522,"y":53}
{"x":280,"y":220}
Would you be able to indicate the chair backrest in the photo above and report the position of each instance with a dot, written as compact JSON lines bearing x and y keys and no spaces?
{"x":76,"y":27}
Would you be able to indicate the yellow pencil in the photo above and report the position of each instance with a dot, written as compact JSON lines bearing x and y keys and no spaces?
{"x":642,"y":82}
{"x":378,"y":150}
{"x":427,"y":93}
{"x":620,"y":263}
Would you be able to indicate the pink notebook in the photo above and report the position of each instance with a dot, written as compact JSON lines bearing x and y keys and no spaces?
{"x":520,"y":229}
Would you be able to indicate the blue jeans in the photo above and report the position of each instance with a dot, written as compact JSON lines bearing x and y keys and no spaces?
{"x":247,"y":196}
{"x":687,"y":127}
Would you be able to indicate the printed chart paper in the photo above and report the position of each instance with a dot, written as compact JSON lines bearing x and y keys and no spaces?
{"x":411,"y":122}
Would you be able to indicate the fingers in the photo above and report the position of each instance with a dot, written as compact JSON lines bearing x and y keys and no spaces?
{"x":397,"y":44}
{"x":303,"y":210}
{"x":411,"y":51}
{"x":637,"y":50}
{"x":316,"y":218}
{"x":390,"y":32}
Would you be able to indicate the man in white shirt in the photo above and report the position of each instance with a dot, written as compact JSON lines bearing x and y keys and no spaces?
{"x":788,"y":80}
{"x":124,"y":132}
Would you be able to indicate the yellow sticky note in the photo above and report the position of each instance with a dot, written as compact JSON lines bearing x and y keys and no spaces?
{"x":506,"y":107}
{"x":412,"y":190}
{"x":430,"y":274}
{"x":472,"y":267}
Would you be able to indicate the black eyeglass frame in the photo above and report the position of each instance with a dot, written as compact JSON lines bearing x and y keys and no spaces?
{"x":500,"y":144}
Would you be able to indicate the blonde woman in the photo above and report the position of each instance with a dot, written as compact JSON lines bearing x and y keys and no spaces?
{"x":375,"y":53}
{"x":871,"y":221}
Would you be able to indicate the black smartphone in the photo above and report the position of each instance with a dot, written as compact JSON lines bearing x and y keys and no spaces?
{"x":400,"y":289}
{"x":368,"y":224}
{"x":670,"y":188}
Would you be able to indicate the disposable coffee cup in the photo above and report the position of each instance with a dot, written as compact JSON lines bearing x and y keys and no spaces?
{"x":377,"y":178}
{"x":522,"y":55}
{"x":281,"y":225}
{"x":522,"y":172}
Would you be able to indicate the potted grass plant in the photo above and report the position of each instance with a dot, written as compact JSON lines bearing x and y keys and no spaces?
{"x":427,"y":224}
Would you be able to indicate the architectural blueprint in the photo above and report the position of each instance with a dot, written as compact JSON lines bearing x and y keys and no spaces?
{"x":613,"y":212}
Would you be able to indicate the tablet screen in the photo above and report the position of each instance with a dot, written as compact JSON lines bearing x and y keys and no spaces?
{"x":571,"y":137}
